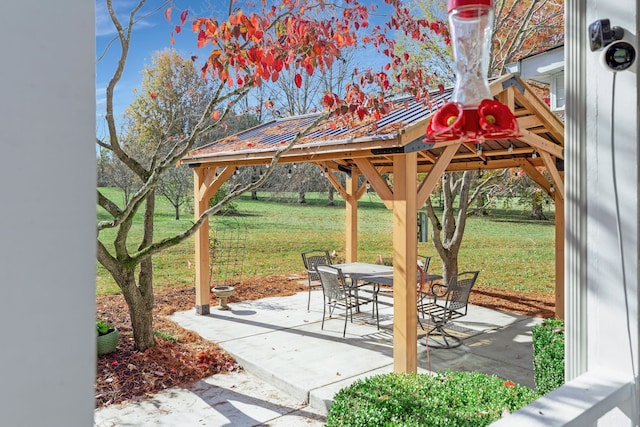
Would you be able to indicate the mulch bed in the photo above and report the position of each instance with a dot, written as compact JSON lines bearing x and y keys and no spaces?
{"x":183,"y":357}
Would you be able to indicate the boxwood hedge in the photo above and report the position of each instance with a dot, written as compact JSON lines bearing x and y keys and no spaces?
{"x":445,"y":399}
{"x":548,"y":355}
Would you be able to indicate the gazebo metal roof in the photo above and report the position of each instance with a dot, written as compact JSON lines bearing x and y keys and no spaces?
{"x":401,"y":131}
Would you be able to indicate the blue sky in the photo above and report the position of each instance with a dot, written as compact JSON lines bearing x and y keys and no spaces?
{"x":150,"y":35}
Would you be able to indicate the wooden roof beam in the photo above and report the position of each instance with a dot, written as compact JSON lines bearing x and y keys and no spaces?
{"x":536,"y":106}
{"x":556,"y":177}
{"x":529,"y":121}
{"x":440,"y":166}
{"x":377,"y":182}
{"x":492,"y":164}
{"x":541,"y":144}
{"x":213,"y":181}
{"x":536,"y":176}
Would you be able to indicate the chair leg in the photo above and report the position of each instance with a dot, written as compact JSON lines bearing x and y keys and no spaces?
{"x":376,"y":309}
{"x":418,"y":318}
{"x":344,"y":331}
{"x":324,"y":311}
{"x":440,"y":332}
{"x":309,"y":299}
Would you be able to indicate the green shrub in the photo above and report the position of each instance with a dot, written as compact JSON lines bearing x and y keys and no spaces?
{"x":548,"y":355}
{"x":446,"y":399}
{"x":103,"y":327}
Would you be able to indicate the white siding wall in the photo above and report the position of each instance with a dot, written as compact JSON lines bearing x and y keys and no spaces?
{"x":601,"y":308}
{"x":612,"y":297}
{"x":47,"y":223}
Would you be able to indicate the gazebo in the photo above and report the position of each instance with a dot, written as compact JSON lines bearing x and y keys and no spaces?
{"x":393,"y":145}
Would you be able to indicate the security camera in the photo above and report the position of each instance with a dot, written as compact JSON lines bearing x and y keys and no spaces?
{"x":619,"y":55}
{"x":601,"y":34}
{"x":619,"y":51}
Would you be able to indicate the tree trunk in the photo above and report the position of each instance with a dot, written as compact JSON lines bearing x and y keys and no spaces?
{"x":142,"y":321}
{"x":177,"y":206}
{"x":301,"y":197}
{"x":330,"y":202}
{"x":537,"y":211}
{"x":254,"y":194}
{"x":140,"y":311}
{"x":449,"y":266}
{"x":447,"y":234}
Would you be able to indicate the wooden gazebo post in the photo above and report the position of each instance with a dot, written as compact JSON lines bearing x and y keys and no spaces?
{"x":405,"y":241}
{"x":351,"y":223}
{"x":201,"y":236}
{"x":206,"y":181}
{"x":559,"y":291}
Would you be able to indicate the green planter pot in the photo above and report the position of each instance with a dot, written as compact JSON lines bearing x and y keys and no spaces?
{"x":108,"y":342}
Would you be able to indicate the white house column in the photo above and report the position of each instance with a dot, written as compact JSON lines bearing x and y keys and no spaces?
{"x":576,"y":50}
{"x":48,"y":225}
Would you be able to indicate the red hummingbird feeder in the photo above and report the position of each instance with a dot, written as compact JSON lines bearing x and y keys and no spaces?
{"x":472,"y":115}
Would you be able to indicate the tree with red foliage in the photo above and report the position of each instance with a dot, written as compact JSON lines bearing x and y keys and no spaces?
{"x":252,"y":46}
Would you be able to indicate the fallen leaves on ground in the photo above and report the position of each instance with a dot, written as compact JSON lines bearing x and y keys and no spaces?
{"x":183,"y":357}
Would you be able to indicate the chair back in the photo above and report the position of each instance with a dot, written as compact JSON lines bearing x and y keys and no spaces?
{"x":332,"y":281}
{"x":313,"y":258}
{"x":459,"y":290}
{"x":423,"y":267}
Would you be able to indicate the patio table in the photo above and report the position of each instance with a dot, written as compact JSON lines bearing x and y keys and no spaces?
{"x":374,"y":274}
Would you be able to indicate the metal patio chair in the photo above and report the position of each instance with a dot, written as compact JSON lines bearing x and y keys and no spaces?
{"x":422,"y":275}
{"x":424,"y":284}
{"x":310,"y":260}
{"x":446,"y":306}
{"x":339,"y":291}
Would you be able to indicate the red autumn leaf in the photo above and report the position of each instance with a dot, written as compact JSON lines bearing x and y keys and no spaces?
{"x":154,"y":95}
{"x":308,"y":67}
{"x":215,"y":115}
{"x":178,"y":28}
{"x":406,"y":56}
{"x":328,"y":101}
{"x":172,"y":41}
{"x":441,"y":88}
{"x":298,"y":80}
{"x":183,"y":16}
{"x":167,"y":14}
{"x":202,"y":39}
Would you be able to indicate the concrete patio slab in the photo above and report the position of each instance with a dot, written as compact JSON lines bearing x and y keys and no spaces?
{"x":237,"y":399}
{"x":282,"y":343}
{"x":293,"y":367}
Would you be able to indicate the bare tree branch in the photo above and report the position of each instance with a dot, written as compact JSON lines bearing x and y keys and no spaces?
{"x":125,"y":39}
{"x":108,"y":205}
{"x":168,"y":242}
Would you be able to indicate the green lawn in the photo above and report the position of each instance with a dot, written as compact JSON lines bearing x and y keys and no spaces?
{"x":511,"y":251}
